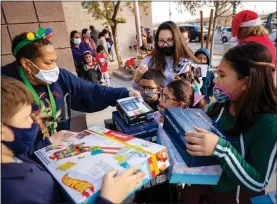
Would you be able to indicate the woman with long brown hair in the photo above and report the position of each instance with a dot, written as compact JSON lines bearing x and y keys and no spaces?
{"x":246,"y":111}
{"x":170,"y":48}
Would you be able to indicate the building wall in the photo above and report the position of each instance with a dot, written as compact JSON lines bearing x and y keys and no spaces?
{"x":18,"y":17}
{"x":77,"y":18}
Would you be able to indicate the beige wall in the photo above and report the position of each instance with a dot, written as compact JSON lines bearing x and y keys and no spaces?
{"x":76,"y":19}
{"x":18,"y":17}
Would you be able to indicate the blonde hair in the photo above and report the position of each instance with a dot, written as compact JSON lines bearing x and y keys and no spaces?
{"x":252,"y":31}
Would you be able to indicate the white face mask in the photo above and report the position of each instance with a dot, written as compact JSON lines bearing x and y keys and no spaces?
{"x":77,"y":41}
{"x":48,"y":76}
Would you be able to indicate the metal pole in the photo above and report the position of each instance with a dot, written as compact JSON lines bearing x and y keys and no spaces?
{"x":137,"y":19}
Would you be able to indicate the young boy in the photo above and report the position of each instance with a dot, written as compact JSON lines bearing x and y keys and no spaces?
{"x":91,"y":68}
{"x":207,"y":88}
{"x":100,"y":58}
{"x":22,"y":176}
{"x":149,"y":88}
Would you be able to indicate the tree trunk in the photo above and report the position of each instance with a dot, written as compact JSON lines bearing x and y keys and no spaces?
{"x":214,"y":26}
{"x":116,"y":45}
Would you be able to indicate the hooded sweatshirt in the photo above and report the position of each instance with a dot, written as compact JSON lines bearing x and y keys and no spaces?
{"x":207,"y":87}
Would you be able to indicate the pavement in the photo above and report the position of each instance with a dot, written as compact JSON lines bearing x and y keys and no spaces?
{"x":99,"y":117}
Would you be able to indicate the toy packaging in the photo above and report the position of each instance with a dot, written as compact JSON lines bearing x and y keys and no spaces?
{"x":80,"y":162}
{"x":134,"y":110}
{"x":146,"y":131}
{"x":179,"y":121}
{"x":270,"y":198}
{"x":179,"y":172}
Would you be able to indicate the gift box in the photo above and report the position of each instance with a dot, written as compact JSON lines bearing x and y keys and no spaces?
{"x":269,"y":198}
{"x":179,"y":172}
{"x":146,"y":130}
{"x":179,"y":121}
{"x":134,"y":110}
{"x":80,"y":162}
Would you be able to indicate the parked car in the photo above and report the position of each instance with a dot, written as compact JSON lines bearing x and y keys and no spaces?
{"x":226,"y":34}
{"x":195,"y":32}
{"x":273,"y":36}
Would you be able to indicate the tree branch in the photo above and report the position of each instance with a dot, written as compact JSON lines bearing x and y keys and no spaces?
{"x":116,"y":8}
{"x":225,"y":10}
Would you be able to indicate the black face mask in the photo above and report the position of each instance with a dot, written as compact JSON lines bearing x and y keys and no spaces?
{"x":168,"y":51}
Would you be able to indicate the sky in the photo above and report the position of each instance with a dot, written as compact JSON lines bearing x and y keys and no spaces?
{"x":160,"y":11}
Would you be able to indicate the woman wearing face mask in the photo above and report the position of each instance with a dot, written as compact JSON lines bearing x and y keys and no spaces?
{"x":56,"y":91}
{"x":246,"y":111}
{"x":78,"y":48}
{"x":86,"y":38}
{"x":23,"y":180}
{"x":102,"y":40}
{"x":170,"y":48}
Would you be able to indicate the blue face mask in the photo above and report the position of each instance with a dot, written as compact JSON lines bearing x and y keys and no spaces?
{"x":23,"y":139}
{"x":220,"y":94}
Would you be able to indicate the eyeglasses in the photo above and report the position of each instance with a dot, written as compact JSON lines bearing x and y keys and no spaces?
{"x":169,"y":42}
{"x":165,"y":97}
{"x":148,"y":88}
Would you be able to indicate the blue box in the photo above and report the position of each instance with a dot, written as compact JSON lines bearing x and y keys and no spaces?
{"x":179,"y":172}
{"x":146,"y":130}
{"x":179,"y":121}
{"x":269,"y":198}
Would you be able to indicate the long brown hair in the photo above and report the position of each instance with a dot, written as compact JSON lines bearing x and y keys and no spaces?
{"x":183,"y":91}
{"x":252,"y":60}
{"x":181,"y":49}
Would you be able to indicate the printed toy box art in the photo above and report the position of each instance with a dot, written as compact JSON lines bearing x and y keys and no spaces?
{"x":80,"y":162}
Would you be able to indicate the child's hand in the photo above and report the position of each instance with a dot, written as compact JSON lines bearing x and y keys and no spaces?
{"x":139,"y":72}
{"x":60,"y":136}
{"x":116,"y":187}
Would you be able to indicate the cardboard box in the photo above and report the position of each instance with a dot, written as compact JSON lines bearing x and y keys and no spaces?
{"x":80,"y":162}
{"x":179,"y":121}
{"x":179,"y":172}
{"x":269,"y":198}
{"x":146,"y":130}
{"x":134,"y":110}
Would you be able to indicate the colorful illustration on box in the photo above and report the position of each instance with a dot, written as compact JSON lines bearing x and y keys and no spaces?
{"x":162,"y":158}
{"x":84,"y":187}
{"x":126,"y":154}
{"x":77,"y":149}
{"x":53,"y":147}
{"x":65,"y":166}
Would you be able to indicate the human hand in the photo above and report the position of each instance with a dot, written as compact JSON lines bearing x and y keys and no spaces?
{"x":135,"y":93}
{"x":201,"y":143}
{"x":116,"y":186}
{"x":60,"y":136}
{"x":139,"y":72}
{"x":38,"y":116}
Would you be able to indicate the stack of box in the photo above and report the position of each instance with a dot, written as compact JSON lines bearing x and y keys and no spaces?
{"x":80,"y":162}
{"x":135,"y":117}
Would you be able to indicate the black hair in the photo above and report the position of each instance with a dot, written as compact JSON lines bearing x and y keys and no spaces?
{"x":73,"y":33}
{"x":148,"y":75}
{"x":183,"y":30}
{"x":30,"y":51}
{"x":91,"y":27}
{"x":260,"y":95}
{"x":143,"y":48}
{"x":100,"y":48}
{"x":84,"y":31}
{"x":104,"y":31}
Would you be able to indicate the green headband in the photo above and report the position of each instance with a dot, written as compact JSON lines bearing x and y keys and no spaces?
{"x":31,"y":37}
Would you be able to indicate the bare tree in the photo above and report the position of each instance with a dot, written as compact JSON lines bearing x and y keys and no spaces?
{"x":108,"y":11}
{"x":222,"y":9}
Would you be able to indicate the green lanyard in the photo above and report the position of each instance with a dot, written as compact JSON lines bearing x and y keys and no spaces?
{"x":37,"y":99}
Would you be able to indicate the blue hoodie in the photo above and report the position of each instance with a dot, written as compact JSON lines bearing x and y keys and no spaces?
{"x":207,"y":87}
{"x":82,"y":96}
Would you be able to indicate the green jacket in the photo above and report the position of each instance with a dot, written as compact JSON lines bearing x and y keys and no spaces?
{"x":251,"y":161}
